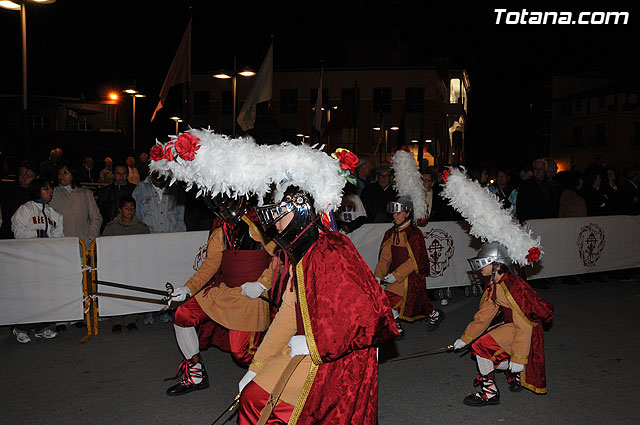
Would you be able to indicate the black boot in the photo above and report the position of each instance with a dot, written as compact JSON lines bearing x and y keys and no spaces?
{"x":487,"y":395}
{"x":187,"y":371}
{"x":433,"y":321}
{"x":513,"y":379}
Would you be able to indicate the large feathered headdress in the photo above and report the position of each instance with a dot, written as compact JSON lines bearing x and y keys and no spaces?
{"x":408,"y":182}
{"x":489,"y":221}
{"x":216,"y":163}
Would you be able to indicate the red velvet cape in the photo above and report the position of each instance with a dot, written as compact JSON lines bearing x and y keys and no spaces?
{"x":525,"y":300}
{"x":416,"y":303}
{"x":345,"y":314}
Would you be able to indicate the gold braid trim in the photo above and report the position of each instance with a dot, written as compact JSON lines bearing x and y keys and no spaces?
{"x":519,"y":357}
{"x":258,"y":364}
{"x":216,"y":230}
{"x":302,"y":398}
{"x":306,"y":320}
{"x":523,"y":378}
{"x":496,"y":354}
{"x":515,"y":305}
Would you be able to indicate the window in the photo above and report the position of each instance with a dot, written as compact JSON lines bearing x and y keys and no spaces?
{"x":414,"y":99}
{"x":601,"y":134}
{"x":578,"y":105}
{"x":576,"y":136}
{"x":382,"y":100}
{"x":602,"y":102}
{"x":288,"y":101}
{"x":381,"y":112}
{"x":636,"y":134}
{"x":201,"y":103}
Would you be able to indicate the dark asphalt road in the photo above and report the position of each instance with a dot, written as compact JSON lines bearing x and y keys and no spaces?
{"x":592,"y":354}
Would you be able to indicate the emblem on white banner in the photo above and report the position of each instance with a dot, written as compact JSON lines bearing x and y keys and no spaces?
{"x":590,"y":244}
{"x":440,"y":249}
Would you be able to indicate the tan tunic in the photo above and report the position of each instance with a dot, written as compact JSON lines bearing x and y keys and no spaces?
{"x":514,"y":338}
{"x":227,"y":306}
{"x":401,"y":273}
{"x":273,"y":356}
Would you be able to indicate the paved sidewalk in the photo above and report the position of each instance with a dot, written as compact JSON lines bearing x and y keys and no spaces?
{"x":592,"y":371}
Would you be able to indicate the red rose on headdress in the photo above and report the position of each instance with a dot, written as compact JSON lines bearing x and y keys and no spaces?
{"x":445,"y":175}
{"x":186,"y":146}
{"x":348,"y":159}
{"x":533,"y":255}
{"x":156,"y":153}
{"x":168,"y":152}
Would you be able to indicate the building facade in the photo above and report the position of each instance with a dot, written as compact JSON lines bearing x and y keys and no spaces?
{"x":372,"y":111}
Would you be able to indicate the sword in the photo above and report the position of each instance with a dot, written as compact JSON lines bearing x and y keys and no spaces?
{"x":166,"y":293}
{"x":262,"y":297}
{"x":228,"y":409}
{"x":447,"y":349}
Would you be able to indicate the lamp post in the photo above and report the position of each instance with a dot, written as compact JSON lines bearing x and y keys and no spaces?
{"x":134,"y":94}
{"x":386,"y":137}
{"x":177,"y":119}
{"x":224,"y":75}
{"x":20,"y":5}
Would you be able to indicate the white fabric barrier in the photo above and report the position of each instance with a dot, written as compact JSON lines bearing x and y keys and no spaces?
{"x":571,"y":246}
{"x":586,"y":245}
{"x":449,"y":245}
{"x":149,"y":261}
{"x":41,"y":280}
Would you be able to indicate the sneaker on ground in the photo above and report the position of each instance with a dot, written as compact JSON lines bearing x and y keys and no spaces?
{"x":148,"y":319}
{"x":46,"y":333}
{"x":165,"y":317}
{"x":21,"y":336}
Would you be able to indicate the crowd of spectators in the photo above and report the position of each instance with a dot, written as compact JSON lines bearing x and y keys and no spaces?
{"x":125,"y":198}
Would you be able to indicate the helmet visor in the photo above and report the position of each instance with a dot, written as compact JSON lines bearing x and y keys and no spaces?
{"x":396,"y":207}
{"x":478,"y":263}
{"x":270,"y":214}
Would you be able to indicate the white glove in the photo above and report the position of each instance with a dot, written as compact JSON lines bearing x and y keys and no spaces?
{"x":248,"y":377}
{"x":180,"y":294}
{"x":390,"y":278}
{"x":382,"y":283}
{"x":298,"y":345}
{"x":459,"y":344}
{"x":252,"y":289}
{"x":515,"y":367}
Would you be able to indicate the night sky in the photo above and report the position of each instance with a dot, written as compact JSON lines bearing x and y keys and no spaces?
{"x":88,"y":47}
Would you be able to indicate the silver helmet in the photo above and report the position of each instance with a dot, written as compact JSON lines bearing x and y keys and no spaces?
{"x":491,"y":252}
{"x":403,"y":203}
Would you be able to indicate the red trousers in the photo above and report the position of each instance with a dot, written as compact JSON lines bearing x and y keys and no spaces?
{"x":252,"y":401}
{"x":488,"y":348}
{"x":190,"y":314}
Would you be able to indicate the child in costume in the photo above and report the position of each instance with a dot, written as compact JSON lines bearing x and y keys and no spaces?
{"x":516,"y":344}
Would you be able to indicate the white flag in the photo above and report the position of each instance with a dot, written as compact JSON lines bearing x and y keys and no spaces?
{"x":260,"y":92}
{"x":317,"y":118}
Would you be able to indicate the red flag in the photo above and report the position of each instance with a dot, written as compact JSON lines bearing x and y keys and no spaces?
{"x":180,"y":69}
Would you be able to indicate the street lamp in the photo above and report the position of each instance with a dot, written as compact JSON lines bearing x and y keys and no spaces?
{"x":20,"y":5}
{"x":386,"y":137}
{"x":224,"y":75}
{"x":134,"y":94}
{"x":177,"y":119}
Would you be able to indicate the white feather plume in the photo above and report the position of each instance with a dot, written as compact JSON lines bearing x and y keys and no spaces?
{"x":489,"y":221}
{"x":242,"y":167}
{"x":408,"y":182}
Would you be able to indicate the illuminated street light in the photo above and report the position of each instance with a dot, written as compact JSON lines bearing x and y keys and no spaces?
{"x":224,"y":75}
{"x":114,"y":96}
{"x":20,"y":5}
{"x":386,"y":137}
{"x":177,"y":119}
{"x":134,"y":94}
